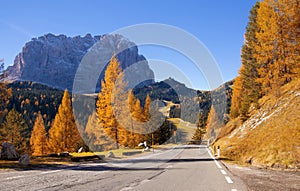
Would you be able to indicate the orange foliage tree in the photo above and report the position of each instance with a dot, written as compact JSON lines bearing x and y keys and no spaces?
{"x":38,"y":140}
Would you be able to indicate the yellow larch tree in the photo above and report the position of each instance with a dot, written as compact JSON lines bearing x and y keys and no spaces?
{"x":110,"y":100}
{"x":277,"y":50}
{"x":267,"y":41}
{"x":97,"y":139}
{"x":138,"y":116}
{"x":236,"y":97}
{"x":64,"y":135}
{"x":147,"y":106}
{"x":213,"y":123}
{"x":38,"y":140}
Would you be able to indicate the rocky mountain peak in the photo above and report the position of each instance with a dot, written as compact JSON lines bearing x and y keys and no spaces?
{"x":53,"y":59}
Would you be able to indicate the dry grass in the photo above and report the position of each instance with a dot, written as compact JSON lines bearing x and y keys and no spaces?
{"x":230,"y":126}
{"x":273,"y":143}
{"x":117,"y":152}
{"x":35,"y":162}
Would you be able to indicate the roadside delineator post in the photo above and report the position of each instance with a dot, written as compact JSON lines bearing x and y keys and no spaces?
{"x":218,"y":151}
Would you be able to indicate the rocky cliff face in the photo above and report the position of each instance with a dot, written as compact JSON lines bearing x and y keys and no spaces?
{"x":53,"y":60}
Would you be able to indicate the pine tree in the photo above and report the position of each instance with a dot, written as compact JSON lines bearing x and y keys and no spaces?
{"x":64,"y":135}
{"x":113,"y":88}
{"x":15,"y":131}
{"x":246,"y":90}
{"x":38,"y":139}
{"x":249,"y":72}
{"x":270,"y":54}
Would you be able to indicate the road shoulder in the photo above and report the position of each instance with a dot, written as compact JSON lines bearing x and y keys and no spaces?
{"x":266,"y":179}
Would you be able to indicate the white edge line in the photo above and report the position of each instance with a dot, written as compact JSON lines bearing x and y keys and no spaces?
{"x":228,"y":179}
{"x":223,"y":172}
{"x":218,"y":165}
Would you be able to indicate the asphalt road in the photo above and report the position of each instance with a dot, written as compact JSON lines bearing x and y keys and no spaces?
{"x":181,"y":168}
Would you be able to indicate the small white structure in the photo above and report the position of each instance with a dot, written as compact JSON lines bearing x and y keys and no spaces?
{"x":80,"y":150}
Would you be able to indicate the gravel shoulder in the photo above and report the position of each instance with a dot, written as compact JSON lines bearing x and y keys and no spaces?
{"x":266,"y":179}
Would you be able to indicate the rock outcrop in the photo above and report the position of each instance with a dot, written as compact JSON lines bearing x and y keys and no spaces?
{"x":24,"y":160}
{"x":53,"y":59}
{"x":110,"y":155}
{"x":9,"y":152}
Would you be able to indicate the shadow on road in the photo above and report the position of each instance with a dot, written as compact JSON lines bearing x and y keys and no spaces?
{"x":104,"y":167}
{"x":181,"y":160}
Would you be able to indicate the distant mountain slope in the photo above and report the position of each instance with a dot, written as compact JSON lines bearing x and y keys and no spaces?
{"x":271,"y":136}
{"x":54,"y":59}
{"x":189,"y":101}
{"x":30,"y":98}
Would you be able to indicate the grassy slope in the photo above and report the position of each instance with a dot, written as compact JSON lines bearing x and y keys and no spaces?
{"x":185,"y":130}
{"x":271,"y":136}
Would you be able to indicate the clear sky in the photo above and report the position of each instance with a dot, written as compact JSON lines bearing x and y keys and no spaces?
{"x":219,"y":24}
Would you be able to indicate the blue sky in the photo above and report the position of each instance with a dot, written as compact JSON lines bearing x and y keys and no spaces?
{"x":219,"y":24}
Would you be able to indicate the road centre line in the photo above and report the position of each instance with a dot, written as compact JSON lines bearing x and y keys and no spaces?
{"x":52,"y":171}
{"x":14,"y":177}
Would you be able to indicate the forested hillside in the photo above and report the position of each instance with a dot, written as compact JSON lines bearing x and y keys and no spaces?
{"x":29,"y":99}
{"x":264,"y":127}
{"x":39,"y":120}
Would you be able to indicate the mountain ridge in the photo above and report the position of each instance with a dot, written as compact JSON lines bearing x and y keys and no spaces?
{"x":54,"y":59}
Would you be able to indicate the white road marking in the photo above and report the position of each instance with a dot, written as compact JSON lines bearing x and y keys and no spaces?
{"x":223,"y":172}
{"x":145,"y":181}
{"x":218,"y":165}
{"x":228,"y":179}
{"x":14,"y":177}
{"x":52,"y":171}
{"x":233,"y":189}
{"x":170,"y":166}
{"x":126,"y":188}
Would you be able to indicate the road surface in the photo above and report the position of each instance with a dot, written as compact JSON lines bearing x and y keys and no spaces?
{"x":181,"y":168}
